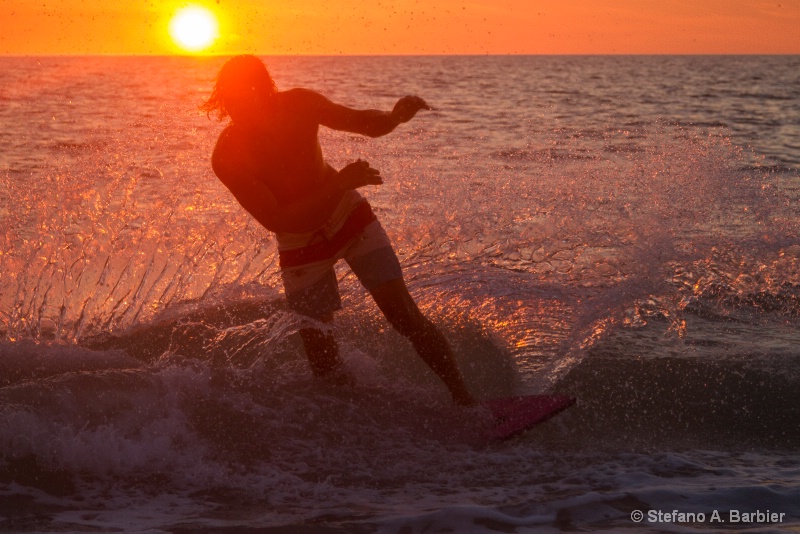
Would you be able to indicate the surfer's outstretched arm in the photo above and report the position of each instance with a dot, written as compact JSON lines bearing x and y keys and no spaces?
{"x":369,"y":122}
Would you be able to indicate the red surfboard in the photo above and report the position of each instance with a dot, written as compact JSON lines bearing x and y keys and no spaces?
{"x":515,"y":415}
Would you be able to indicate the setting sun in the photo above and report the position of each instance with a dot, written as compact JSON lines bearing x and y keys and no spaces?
{"x":194,"y":28}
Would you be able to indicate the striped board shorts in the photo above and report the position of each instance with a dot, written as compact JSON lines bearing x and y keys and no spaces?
{"x":352,"y":233}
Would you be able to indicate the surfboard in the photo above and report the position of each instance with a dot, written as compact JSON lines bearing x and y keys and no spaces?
{"x":514,"y":415}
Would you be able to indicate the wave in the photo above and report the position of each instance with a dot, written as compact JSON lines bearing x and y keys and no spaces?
{"x":99,"y":431}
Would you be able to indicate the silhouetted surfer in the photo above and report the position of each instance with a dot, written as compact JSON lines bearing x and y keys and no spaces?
{"x":270,"y":158}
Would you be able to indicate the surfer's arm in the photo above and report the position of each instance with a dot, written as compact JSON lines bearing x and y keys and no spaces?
{"x":369,"y":122}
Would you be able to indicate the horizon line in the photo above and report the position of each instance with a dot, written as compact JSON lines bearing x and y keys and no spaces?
{"x":518,"y":54}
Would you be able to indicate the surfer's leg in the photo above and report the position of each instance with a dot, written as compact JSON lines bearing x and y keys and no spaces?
{"x":402,"y":312}
{"x":374,"y":262}
{"x":322,"y":351}
{"x":312,"y":291}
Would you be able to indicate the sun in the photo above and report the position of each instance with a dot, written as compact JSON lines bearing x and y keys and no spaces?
{"x":194,"y":28}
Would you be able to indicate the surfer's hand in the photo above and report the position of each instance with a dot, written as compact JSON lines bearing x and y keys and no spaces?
{"x":407,"y":107}
{"x":358,"y":174}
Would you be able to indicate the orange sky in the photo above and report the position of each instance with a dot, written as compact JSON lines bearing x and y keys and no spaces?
{"x":411,"y":26}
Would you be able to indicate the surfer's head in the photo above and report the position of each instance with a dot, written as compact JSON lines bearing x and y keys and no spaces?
{"x":243,"y":85}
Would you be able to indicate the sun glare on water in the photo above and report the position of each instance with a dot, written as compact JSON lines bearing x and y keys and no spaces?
{"x":194,"y":28}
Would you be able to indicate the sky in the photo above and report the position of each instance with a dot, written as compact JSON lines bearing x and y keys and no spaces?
{"x":410,"y":26}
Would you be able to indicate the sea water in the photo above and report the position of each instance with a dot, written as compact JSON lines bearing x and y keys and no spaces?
{"x":621,"y":229}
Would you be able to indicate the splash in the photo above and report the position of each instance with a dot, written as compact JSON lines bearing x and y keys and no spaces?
{"x":107,"y":245}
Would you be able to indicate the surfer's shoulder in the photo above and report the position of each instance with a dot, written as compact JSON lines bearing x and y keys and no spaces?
{"x":230,"y":151}
{"x":230,"y":135}
{"x":301,"y":95}
{"x":304,"y":102}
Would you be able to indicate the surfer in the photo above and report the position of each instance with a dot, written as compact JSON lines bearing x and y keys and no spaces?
{"x":269,"y":157}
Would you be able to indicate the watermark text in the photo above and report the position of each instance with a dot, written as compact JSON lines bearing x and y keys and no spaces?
{"x":715,"y":516}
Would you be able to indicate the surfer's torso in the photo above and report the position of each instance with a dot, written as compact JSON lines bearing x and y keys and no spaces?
{"x":280,"y":150}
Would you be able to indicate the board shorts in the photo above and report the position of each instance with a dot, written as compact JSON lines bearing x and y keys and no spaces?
{"x":352,"y":233}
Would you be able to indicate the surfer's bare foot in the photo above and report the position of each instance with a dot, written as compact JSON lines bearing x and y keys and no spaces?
{"x":464,"y":399}
{"x":340,"y":378}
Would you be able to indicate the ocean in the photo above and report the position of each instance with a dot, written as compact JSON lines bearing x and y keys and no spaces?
{"x":622,"y":229}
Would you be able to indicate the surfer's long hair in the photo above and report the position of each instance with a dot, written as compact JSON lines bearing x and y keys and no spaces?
{"x":237,"y":71}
